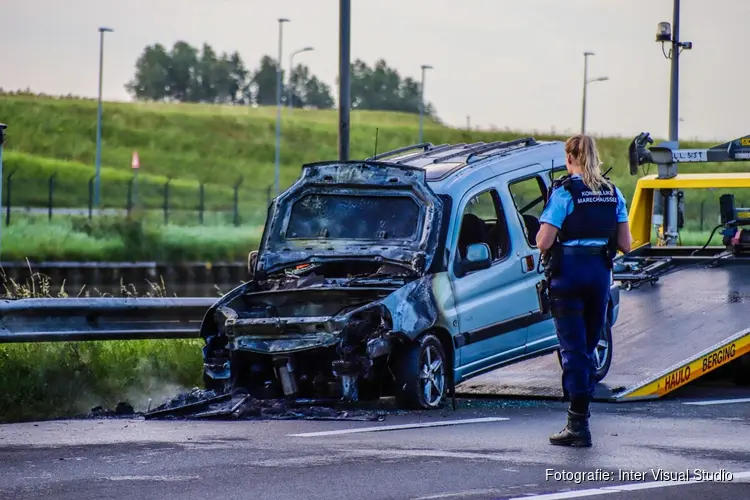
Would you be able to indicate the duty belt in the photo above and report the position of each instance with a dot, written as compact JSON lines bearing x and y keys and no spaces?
{"x":584,"y":250}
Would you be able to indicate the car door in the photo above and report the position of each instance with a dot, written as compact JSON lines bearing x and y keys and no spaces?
{"x":491,"y":304}
{"x":528,"y":191}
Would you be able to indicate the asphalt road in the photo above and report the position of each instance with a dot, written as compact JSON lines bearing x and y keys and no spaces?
{"x":450,"y":454}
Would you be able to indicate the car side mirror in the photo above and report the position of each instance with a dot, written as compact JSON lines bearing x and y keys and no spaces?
{"x":252,"y":260}
{"x":477,"y":258}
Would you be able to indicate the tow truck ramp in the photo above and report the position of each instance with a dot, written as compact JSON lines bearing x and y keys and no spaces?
{"x":690,"y":322}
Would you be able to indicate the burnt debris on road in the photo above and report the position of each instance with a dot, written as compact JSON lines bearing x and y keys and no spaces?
{"x":202,"y":404}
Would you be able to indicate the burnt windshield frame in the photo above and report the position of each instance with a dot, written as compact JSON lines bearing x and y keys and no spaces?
{"x":416,"y":227}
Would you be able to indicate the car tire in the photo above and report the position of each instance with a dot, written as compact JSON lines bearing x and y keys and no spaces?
{"x":424,"y":356}
{"x":604,"y":352}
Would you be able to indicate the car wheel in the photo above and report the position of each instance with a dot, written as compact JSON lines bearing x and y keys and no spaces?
{"x":422,"y":374}
{"x":602,"y":353}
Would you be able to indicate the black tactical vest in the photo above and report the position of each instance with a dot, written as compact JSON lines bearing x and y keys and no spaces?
{"x":594,"y":215}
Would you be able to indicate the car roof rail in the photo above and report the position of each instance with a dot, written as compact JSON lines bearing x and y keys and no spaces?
{"x":423,"y":145}
{"x":526,"y":141}
{"x":433,"y":150}
{"x":467,"y":150}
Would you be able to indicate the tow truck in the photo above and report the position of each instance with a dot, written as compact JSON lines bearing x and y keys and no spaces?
{"x":695,"y":316}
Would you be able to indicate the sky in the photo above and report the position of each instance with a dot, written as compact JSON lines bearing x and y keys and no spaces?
{"x":497,"y":63}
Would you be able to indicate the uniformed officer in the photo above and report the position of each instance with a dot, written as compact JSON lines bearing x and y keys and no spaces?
{"x":583,"y":225}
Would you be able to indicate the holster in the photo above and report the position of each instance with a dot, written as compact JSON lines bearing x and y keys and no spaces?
{"x":552,"y":261}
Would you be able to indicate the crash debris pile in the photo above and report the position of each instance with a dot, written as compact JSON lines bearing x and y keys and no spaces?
{"x":202,"y":404}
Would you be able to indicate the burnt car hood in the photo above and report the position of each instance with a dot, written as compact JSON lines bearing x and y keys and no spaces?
{"x":281,"y":247}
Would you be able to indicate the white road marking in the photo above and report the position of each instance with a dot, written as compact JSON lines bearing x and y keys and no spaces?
{"x":439,"y":496}
{"x":152,"y":478}
{"x":400,"y":427}
{"x":718,"y":402}
{"x":736,"y":477}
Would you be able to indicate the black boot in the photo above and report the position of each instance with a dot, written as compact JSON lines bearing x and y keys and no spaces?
{"x":576,"y":433}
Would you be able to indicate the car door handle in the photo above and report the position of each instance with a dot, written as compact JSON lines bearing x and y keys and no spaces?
{"x":528,"y":264}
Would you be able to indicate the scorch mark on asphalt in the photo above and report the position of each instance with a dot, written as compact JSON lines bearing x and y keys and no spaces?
{"x":381,"y":428}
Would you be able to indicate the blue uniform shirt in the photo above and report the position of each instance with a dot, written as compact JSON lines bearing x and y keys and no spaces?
{"x":561,"y":205}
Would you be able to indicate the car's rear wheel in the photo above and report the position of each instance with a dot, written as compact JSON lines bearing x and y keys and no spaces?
{"x":602,"y":353}
{"x":422,"y":374}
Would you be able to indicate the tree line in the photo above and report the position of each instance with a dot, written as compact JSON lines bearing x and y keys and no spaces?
{"x":187,"y":74}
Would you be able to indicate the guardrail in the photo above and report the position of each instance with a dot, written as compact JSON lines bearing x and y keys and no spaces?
{"x":101,"y":318}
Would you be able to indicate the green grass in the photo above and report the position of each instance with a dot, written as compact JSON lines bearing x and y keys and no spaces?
{"x":119,"y":239}
{"x":61,"y":380}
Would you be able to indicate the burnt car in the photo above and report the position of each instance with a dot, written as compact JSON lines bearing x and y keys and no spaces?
{"x":400,"y":275}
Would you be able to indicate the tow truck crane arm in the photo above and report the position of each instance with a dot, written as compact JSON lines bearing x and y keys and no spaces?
{"x":658,"y":201}
{"x":666,"y":155}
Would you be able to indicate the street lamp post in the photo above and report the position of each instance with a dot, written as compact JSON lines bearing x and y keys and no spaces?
{"x":97,"y":185}
{"x":586,"y":82}
{"x":666,"y":207}
{"x":421,"y":104}
{"x":345,"y":94}
{"x":664,"y":34}
{"x":278,"y":109}
{"x":291,"y":69}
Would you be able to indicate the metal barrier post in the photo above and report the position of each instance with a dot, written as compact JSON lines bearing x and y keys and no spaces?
{"x":201,"y":202}
{"x":51,"y":190}
{"x":237,"y":202}
{"x":91,"y":197}
{"x":166,"y":201}
{"x":8,"y":193}
{"x":129,"y":201}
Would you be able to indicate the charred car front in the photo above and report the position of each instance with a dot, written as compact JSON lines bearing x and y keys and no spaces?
{"x":341,"y":286}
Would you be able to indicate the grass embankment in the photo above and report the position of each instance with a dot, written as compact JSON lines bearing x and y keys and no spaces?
{"x":125,"y":240}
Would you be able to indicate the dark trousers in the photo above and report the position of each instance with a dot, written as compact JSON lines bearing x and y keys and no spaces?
{"x":579,"y":294}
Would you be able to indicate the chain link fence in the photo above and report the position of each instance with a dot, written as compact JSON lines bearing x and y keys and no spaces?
{"x":175,"y":201}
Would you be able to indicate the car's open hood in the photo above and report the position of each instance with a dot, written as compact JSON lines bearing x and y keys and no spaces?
{"x":397,"y":200}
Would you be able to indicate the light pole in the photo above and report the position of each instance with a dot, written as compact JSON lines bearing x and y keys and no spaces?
{"x":421,"y":104}
{"x":98,"y":179}
{"x":586,"y":82}
{"x":664,"y":35}
{"x":291,"y":69}
{"x":278,"y":108}
{"x":345,"y":96}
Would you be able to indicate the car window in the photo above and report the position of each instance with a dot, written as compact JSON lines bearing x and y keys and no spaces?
{"x":528,"y":196}
{"x":483,"y":221}
{"x":333,"y":216}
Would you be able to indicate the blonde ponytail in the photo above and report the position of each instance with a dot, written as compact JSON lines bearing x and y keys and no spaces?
{"x":584,"y":151}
